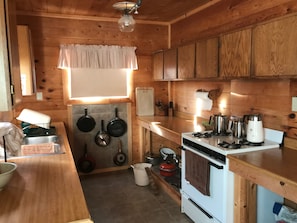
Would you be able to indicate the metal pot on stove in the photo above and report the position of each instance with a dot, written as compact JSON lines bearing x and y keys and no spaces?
{"x":220,"y":123}
{"x":238,"y":128}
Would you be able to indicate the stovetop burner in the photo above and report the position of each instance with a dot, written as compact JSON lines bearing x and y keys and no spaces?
{"x":237,"y":145}
{"x":209,"y":134}
{"x":228,"y":145}
{"x":202,"y":134}
{"x":245,"y":142}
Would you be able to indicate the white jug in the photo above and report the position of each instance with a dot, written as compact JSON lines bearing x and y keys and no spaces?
{"x":255,"y":130}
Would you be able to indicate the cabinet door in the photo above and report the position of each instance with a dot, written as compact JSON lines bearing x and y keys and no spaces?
{"x":186,"y":62}
{"x":9,"y":58}
{"x":207,"y":58}
{"x":170,"y":64}
{"x":12,"y":37}
{"x":275,"y":48}
{"x":158,"y":66}
{"x":235,"y":54}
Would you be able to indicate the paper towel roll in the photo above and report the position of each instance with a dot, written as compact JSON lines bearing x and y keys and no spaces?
{"x":203,"y":102}
{"x":202,"y":95}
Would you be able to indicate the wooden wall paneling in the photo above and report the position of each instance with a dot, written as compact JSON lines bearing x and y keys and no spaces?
{"x":235,"y":54}
{"x":186,"y":61}
{"x":207,"y":58}
{"x":292,"y":122}
{"x":225,"y":17}
{"x":249,"y":97}
{"x":274,"y":48}
{"x":185,"y":100}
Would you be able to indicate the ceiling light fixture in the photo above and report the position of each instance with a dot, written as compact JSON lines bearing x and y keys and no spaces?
{"x":126,"y":22}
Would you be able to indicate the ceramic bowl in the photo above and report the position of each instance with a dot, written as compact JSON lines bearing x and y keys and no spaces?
{"x":6,"y":172}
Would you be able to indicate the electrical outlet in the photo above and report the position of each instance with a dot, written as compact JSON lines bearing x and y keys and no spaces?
{"x":39,"y":96}
{"x":294,"y":103}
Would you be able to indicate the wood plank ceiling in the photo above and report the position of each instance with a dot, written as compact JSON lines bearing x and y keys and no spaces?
{"x":166,"y":11}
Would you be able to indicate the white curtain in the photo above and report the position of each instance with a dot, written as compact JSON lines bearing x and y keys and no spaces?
{"x":97,"y":56}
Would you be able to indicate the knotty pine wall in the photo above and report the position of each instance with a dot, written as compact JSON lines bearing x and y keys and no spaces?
{"x":271,"y":97}
{"x":226,"y":16}
{"x":49,"y":33}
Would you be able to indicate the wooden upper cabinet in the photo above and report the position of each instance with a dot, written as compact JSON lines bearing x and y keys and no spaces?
{"x":10,"y":92}
{"x":207,"y":58}
{"x":170,"y":64}
{"x":275,"y":48}
{"x":186,"y":62}
{"x":235,"y":54}
{"x":158,"y":63}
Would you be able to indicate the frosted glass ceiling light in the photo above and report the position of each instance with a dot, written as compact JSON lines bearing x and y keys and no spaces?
{"x":126,"y":22}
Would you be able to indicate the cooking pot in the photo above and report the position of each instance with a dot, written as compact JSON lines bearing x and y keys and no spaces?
{"x":238,"y":128}
{"x":167,"y":169}
{"x":167,"y":153}
{"x":220,"y":123}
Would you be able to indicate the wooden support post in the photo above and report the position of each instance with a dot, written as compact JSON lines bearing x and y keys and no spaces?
{"x":245,"y":200}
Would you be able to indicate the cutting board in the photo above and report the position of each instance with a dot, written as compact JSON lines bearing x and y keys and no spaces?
{"x":144,"y":101}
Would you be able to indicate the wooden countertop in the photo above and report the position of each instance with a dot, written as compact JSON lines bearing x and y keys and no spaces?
{"x":169,"y":127}
{"x":274,"y":169}
{"x":44,"y":189}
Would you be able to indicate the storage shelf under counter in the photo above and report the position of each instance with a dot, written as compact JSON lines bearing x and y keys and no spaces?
{"x":167,"y":127}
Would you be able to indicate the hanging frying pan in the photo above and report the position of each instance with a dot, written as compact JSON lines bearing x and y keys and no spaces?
{"x":116,"y":127}
{"x":86,"y":163}
{"x":86,"y":123}
{"x":120,"y":158}
{"x":102,"y":138}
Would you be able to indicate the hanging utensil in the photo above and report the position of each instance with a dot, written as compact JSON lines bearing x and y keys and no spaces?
{"x":120,"y":158}
{"x":86,"y":123}
{"x":116,"y":127}
{"x":86,"y":163}
{"x":102,"y":138}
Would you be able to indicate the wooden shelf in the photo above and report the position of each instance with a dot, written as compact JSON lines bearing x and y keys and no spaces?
{"x":172,"y":190}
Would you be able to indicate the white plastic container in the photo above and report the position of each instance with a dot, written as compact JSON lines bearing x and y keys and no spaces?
{"x":140,"y":175}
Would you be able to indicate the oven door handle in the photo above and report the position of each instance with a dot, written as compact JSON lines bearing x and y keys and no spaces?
{"x":215,"y":165}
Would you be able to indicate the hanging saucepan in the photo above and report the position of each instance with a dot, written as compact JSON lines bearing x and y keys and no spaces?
{"x":120,"y":158}
{"x":116,"y":127}
{"x":86,"y":163}
{"x":86,"y":123}
{"x":102,"y":138}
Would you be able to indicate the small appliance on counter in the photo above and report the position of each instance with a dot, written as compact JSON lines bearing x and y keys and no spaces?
{"x":255,"y":130}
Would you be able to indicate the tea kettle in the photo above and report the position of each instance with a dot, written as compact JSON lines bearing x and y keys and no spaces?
{"x":255,"y":130}
{"x":220,"y":123}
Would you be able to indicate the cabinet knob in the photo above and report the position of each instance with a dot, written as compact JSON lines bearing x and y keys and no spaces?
{"x":282,"y":183}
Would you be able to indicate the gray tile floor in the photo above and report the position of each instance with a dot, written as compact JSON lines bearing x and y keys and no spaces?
{"x":115,"y":198}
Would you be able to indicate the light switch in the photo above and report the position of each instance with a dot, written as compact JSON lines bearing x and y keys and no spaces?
{"x":39,"y":96}
{"x":294,"y":103}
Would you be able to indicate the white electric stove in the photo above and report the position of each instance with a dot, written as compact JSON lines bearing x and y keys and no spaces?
{"x":218,"y":205}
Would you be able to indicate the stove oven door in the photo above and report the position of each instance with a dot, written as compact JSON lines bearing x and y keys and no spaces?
{"x":212,"y":205}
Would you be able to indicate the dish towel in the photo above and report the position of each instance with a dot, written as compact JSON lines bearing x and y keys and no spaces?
{"x":198,"y":172}
{"x":13,"y":137}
